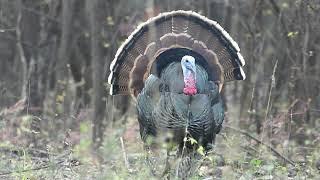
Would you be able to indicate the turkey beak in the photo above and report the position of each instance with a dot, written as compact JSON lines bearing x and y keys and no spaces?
{"x":220,"y":85}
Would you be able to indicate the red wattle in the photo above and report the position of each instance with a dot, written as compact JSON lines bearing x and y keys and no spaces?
{"x":190,"y":91}
{"x":190,"y":88}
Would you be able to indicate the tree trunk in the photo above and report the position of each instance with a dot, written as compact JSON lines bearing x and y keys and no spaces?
{"x":27,"y":31}
{"x":97,"y":74}
{"x":64,"y":51}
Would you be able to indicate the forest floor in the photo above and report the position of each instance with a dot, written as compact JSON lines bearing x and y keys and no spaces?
{"x":67,"y":154}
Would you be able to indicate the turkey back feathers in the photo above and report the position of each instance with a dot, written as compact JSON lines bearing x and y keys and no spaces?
{"x":171,"y":33}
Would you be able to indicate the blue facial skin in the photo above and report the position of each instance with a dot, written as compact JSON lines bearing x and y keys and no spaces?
{"x":188,"y":66}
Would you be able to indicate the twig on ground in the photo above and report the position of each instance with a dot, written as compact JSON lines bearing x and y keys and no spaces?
{"x":31,"y":169}
{"x":35,"y":152}
{"x":260,"y":142}
{"x":59,"y":160}
{"x":126,"y":162}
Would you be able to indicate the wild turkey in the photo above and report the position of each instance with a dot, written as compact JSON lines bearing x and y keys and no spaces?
{"x":175,"y":65}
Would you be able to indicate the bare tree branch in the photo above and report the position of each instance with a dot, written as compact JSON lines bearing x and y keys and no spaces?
{"x":260,"y":142}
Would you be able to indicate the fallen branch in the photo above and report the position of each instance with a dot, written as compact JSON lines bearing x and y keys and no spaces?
{"x":59,"y":160}
{"x":38,"y":168}
{"x":262,"y":143}
{"x":31,"y":169}
{"x":34,"y":152}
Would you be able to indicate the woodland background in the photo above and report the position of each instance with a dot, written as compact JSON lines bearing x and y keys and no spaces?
{"x":57,"y":120}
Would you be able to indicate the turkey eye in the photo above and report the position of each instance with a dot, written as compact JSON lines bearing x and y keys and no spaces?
{"x":187,"y":61}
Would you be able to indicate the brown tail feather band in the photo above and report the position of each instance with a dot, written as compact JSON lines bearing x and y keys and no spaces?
{"x":185,"y":29}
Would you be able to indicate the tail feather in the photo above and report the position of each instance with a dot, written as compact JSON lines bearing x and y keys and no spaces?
{"x":177,"y":29}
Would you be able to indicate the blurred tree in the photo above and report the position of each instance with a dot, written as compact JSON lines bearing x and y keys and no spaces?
{"x":98,"y":61}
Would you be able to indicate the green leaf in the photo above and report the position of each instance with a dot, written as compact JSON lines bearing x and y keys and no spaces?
{"x":60,"y":98}
{"x":200,"y":150}
{"x":256,"y":162}
{"x":292,"y":34}
{"x":84,"y":127}
{"x":193,"y":141}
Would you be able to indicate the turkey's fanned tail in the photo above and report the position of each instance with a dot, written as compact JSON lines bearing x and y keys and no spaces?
{"x":188,"y":30}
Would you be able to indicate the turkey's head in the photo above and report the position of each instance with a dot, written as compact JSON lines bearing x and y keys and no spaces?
{"x":188,"y":65}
